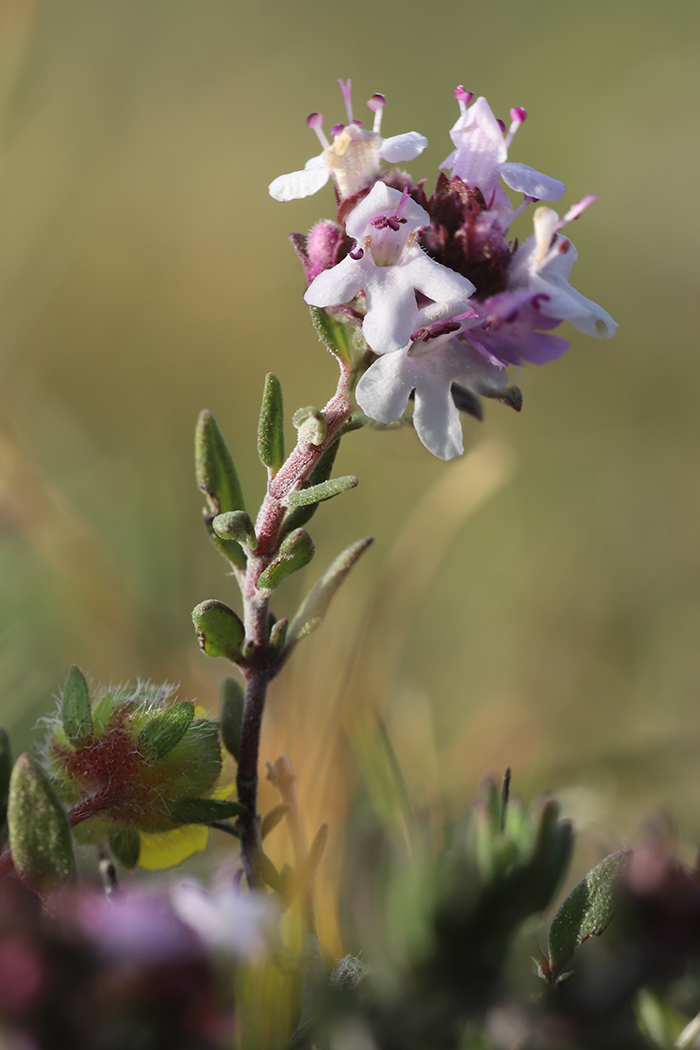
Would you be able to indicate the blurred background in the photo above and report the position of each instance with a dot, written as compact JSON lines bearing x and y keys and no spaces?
{"x":534,"y":605}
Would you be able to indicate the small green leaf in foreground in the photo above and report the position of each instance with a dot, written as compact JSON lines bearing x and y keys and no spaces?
{"x":75,"y":706}
{"x":587,"y":911}
{"x":166,"y":730}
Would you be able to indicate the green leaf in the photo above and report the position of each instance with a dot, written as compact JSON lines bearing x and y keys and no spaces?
{"x":273,"y":817}
{"x":218,"y":479}
{"x":5,"y":770}
{"x":231,"y":716}
{"x":40,"y":836}
{"x":315,"y":605}
{"x":587,"y":911}
{"x":219,"y":630}
{"x":268,"y":872}
{"x":75,"y":707}
{"x":271,"y":425}
{"x":319,"y":493}
{"x":204,"y":810}
{"x":125,"y":844}
{"x":236,"y":525}
{"x":216,"y":472}
{"x":166,"y":730}
{"x":295,"y":552}
{"x":337,"y":337}
{"x":299,"y":516}
{"x":278,"y":635}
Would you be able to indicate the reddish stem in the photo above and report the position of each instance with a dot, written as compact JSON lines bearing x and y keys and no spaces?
{"x":262,"y":666}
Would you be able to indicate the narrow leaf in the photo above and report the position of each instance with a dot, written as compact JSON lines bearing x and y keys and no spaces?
{"x":204,"y":810}
{"x":319,"y":493}
{"x":334,"y":334}
{"x":296,"y":551}
{"x":166,"y":730}
{"x":587,"y":911}
{"x":75,"y":706}
{"x":278,"y":635}
{"x":271,"y":425}
{"x":218,"y":479}
{"x":40,"y":836}
{"x":269,"y":873}
{"x":231,"y":715}
{"x":298,"y":516}
{"x":125,"y":844}
{"x":319,"y":598}
{"x":216,"y":472}
{"x":307,"y":870}
{"x":273,"y":817}
{"x":219,"y":630}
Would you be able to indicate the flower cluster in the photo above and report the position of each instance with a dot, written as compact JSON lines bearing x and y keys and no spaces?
{"x":445,"y":299}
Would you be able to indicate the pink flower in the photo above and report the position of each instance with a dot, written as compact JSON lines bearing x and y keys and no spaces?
{"x":481,"y":151}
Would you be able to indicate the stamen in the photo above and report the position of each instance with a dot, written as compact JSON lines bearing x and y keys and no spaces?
{"x":315,"y":122}
{"x":402,"y":203}
{"x":501,"y":125}
{"x":463,"y":97}
{"x":356,"y":254}
{"x":527,"y":201}
{"x":337,"y":128}
{"x":377,"y":104}
{"x":345,"y":87}
{"x":577,"y":209}
{"x":517,"y":115}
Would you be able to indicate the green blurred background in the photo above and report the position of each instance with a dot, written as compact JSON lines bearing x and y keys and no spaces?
{"x":145,"y":274}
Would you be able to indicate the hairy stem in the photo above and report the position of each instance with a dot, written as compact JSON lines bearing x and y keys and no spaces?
{"x":262,"y":664}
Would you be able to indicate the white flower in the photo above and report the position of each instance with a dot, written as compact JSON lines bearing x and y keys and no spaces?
{"x":543,"y":264}
{"x":353,"y":158}
{"x":481,"y":150}
{"x":391,"y":267}
{"x":224,"y":918}
{"x":433,"y":362}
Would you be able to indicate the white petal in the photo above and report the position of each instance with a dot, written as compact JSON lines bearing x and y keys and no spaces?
{"x":403,"y":147}
{"x":392,"y":314}
{"x":383,"y":200}
{"x":433,"y":279}
{"x":449,"y":162}
{"x":299,"y":184}
{"x":590,"y":318}
{"x":338,"y":285}
{"x":383,"y":390}
{"x":436,"y":418}
{"x":524,"y":179}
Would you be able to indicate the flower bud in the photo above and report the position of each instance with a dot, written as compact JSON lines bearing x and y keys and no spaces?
{"x":146,"y":758}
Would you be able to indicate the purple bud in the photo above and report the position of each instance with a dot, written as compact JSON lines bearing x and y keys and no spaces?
{"x":322,"y":246}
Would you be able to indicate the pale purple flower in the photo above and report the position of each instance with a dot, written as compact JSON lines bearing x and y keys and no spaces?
{"x":225,"y":919}
{"x":481,"y":152}
{"x":390,"y":267}
{"x":437,"y":358}
{"x":542,"y":266}
{"x":353,"y":158}
{"x":514,"y":329}
{"x":140,"y":928}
